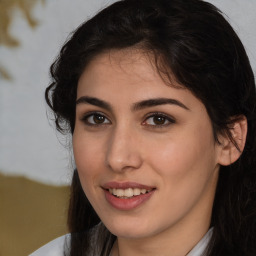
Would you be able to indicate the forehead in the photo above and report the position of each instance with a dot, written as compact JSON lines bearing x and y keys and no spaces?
{"x":123,"y":78}
{"x":125,"y":62}
{"x":131,"y":64}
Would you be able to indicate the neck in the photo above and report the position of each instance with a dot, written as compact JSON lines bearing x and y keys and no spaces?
{"x":170,"y":245}
{"x":177,"y":240}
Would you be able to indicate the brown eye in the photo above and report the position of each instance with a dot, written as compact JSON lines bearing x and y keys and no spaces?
{"x":158,"y":120}
{"x":98,"y":119}
{"x":95,"y":119}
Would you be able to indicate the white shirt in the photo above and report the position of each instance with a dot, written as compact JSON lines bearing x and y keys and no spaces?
{"x":53,"y":248}
{"x":56,"y":247}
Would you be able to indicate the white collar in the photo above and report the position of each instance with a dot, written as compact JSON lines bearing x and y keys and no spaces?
{"x":201,"y":245}
{"x":56,"y":247}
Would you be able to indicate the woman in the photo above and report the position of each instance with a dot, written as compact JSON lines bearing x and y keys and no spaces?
{"x":159,"y":97}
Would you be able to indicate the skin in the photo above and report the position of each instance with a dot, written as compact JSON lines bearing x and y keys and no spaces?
{"x":179,"y":158}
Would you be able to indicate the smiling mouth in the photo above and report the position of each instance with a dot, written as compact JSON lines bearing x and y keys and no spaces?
{"x":128,"y":192}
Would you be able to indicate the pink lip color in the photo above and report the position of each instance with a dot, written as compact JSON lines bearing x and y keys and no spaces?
{"x":130,"y":203}
{"x":124,"y":185}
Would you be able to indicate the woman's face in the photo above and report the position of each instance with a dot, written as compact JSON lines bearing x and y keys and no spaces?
{"x":145,"y":151}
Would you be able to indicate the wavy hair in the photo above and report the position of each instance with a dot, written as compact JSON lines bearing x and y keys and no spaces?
{"x":192,"y":41}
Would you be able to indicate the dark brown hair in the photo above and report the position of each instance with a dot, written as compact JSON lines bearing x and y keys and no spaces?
{"x":192,"y":40}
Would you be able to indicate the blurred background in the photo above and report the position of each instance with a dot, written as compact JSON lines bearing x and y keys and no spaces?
{"x":35,"y":162}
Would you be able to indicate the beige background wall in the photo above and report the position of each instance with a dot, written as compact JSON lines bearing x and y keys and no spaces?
{"x":31,"y":214}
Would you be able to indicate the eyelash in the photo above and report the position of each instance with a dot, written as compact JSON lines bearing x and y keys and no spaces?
{"x":166,"y":118}
{"x":94,"y":114}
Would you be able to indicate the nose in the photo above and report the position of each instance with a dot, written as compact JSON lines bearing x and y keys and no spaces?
{"x":123,"y":151}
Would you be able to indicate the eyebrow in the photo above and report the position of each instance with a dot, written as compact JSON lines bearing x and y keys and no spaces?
{"x":156,"y":102}
{"x":136,"y":106}
{"x":94,"y":101}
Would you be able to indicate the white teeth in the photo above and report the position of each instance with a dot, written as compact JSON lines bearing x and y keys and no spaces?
{"x":127,"y":193}
{"x":118,"y":192}
{"x":143,"y":191}
{"x":136,"y":191}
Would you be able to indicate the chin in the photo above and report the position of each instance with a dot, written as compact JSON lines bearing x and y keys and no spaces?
{"x":130,"y":229}
{"x":130,"y":233}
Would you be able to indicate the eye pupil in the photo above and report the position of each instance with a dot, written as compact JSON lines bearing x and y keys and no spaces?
{"x":98,"y":119}
{"x":159,"y":120}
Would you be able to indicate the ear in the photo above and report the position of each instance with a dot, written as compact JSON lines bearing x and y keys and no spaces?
{"x":230,"y":151}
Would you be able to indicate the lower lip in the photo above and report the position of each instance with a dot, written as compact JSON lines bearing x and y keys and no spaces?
{"x":128,"y":203}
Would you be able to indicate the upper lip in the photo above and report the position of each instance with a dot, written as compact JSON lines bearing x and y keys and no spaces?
{"x":125,"y":185}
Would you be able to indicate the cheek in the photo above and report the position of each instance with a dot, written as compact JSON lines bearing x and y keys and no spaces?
{"x":185,"y":161}
{"x":86,"y":148}
{"x":186,"y":174}
{"x":87,"y":158}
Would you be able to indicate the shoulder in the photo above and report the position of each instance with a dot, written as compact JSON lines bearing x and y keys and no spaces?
{"x":53,"y":248}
